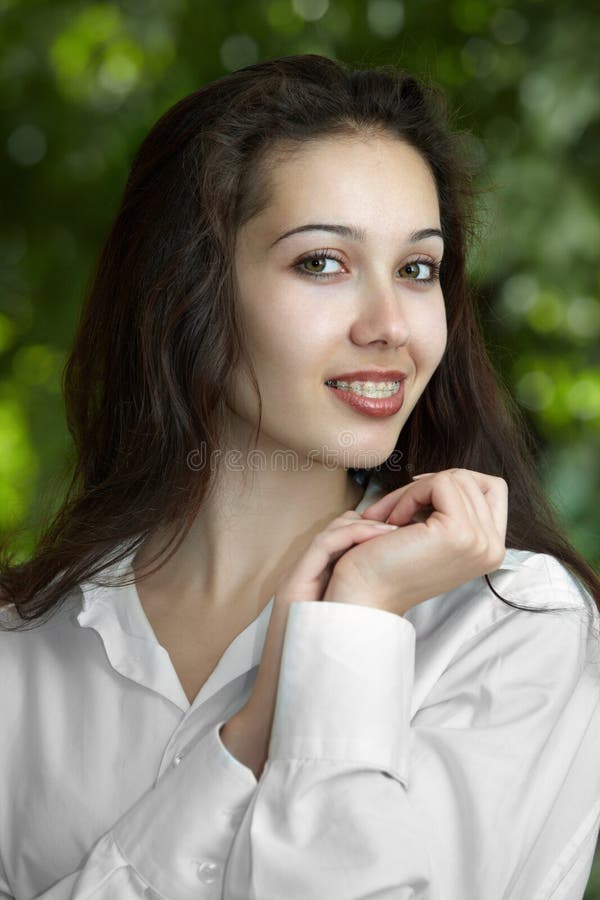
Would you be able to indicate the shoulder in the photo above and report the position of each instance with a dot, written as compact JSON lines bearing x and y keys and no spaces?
{"x":471,"y":644}
{"x":540,"y":581}
{"x":532,"y":595}
{"x":21,"y":639}
{"x":36,"y":659}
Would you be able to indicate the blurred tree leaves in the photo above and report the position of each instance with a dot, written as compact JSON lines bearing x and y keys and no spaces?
{"x":81,"y":83}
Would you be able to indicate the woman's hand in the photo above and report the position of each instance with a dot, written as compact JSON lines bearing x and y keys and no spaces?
{"x":416,"y":559}
{"x":463,"y":538}
{"x":246,"y":735}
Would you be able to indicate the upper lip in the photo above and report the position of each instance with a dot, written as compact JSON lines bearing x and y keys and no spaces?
{"x":370,"y":375}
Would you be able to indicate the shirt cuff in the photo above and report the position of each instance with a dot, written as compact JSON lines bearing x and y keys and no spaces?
{"x":345,"y":687}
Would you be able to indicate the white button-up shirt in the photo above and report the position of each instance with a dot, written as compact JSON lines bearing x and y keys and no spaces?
{"x":452,"y":753}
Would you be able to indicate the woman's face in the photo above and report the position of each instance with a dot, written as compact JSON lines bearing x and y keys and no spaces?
{"x":371,"y":307}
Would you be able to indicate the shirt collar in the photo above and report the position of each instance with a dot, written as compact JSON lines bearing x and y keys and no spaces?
{"x":114,"y":611}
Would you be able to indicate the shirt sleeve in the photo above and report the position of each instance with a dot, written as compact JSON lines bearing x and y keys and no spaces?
{"x":360,"y":800}
{"x":173,"y":842}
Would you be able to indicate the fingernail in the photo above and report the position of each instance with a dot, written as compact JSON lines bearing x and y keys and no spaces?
{"x":385,"y":525}
{"x":422,"y":475}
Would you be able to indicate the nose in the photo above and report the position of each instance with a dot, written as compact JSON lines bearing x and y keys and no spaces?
{"x":381,"y":318}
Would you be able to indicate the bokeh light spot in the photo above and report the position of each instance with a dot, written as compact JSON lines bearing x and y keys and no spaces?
{"x":583,"y":317}
{"x":38,"y":365}
{"x":519,"y":294}
{"x":509,"y":26}
{"x":479,"y":57}
{"x":311,"y":10}
{"x":536,"y":390}
{"x":547,"y":313}
{"x":385,"y":17}
{"x":237,"y":51}
{"x":120,"y":70}
{"x":26,"y":145}
{"x":583,"y":399}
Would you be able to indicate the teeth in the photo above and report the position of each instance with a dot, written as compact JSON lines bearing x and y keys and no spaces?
{"x":377,"y":389}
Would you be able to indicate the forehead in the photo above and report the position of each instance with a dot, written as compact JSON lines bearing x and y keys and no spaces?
{"x":380,"y":180}
{"x":339,"y":153}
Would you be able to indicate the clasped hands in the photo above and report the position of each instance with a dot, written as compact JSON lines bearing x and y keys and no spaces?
{"x":354,"y":560}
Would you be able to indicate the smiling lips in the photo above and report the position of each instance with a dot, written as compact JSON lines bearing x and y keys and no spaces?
{"x":359,"y":390}
{"x":376,"y":406}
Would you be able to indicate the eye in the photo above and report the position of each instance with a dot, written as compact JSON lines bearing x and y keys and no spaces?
{"x":315,"y":258}
{"x":414,"y":270}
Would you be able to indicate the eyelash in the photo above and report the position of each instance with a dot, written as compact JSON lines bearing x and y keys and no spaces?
{"x":329,"y":254}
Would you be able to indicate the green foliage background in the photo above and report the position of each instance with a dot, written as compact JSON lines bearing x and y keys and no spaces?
{"x":81,"y":83}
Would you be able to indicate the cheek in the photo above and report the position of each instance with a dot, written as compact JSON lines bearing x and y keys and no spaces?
{"x":429,"y":337}
{"x":440,"y":338}
{"x":291,"y":334}
{"x":282,"y":348}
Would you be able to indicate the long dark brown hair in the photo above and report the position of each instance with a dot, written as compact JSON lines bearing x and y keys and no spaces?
{"x":159,"y":332}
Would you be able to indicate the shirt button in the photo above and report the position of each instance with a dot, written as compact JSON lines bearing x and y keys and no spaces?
{"x":235,"y":816}
{"x":208,"y":872}
{"x":177,"y":759}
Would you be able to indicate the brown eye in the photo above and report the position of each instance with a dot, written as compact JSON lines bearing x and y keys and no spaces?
{"x":413,"y":269}
{"x":422,"y":270}
{"x":316,"y":262}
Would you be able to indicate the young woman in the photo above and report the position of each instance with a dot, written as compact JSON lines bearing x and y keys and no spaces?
{"x":252,"y":657}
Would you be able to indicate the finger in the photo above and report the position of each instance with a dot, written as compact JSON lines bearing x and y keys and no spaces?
{"x":477,"y":496}
{"x":344,"y":523}
{"x":381,"y":508}
{"x":491,"y":545}
{"x":443,"y":493}
{"x":495,"y":494}
{"x":481,"y":513}
{"x":328,"y":545}
{"x":363,"y":531}
{"x":494,"y":489}
{"x":497,"y":500}
{"x":488,"y":540}
{"x":467,"y":495}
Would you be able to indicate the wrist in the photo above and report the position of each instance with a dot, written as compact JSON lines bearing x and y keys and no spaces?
{"x":246,"y":741}
{"x":341,"y":593}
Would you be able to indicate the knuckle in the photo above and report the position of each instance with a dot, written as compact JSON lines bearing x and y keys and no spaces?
{"x":461,"y":475}
{"x":458,"y":472}
{"x":469,"y":475}
{"x":478,"y":545}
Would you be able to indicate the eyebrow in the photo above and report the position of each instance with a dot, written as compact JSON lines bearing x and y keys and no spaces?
{"x":357,"y":234}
